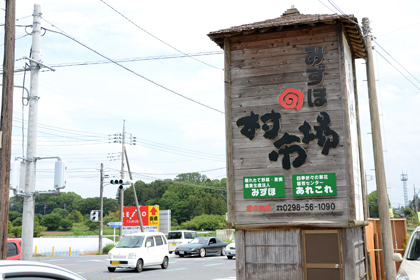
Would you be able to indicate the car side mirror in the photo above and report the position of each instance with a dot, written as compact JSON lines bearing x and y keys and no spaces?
{"x":148,"y":244}
{"x":396,"y":257}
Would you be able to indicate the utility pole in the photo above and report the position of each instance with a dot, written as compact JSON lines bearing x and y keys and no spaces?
{"x":6,"y":121}
{"x":122,"y":177}
{"x":416,"y":204}
{"x":101,"y":209}
{"x":381,"y":186}
{"x":134,"y":193}
{"x":29,"y":197}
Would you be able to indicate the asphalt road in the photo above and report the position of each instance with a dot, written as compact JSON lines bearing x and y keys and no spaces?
{"x":94,"y":268}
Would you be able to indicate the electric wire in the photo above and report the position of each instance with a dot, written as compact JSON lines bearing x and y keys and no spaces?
{"x":395,"y":60}
{"x":150,"y":34}
{"x":133,"y":72}
{"x":397,"y":70}
{"x":341,"y":12}
{"x":102,"y":138}
{"x":1,"y":45}
{"x":133,"y":59}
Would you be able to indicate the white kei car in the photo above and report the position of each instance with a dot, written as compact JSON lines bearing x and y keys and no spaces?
{"x":410,"y":262}
{"x":138,"y":250}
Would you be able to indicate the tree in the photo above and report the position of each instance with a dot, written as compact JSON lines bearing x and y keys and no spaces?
{"x":14,"y":214}
{"x":51,"y":221}
{"x":17,"y":222}
{"x":206,"y":222}
{"x":75,"y":216}
{"x":62,"y":212}
{"x":373,"y":204}
{"x":66,"y":224}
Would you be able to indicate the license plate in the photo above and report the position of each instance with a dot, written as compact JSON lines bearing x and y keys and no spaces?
{"x":181,"y":252}
{"x":115,"y":262}
{"x":173,"y":244}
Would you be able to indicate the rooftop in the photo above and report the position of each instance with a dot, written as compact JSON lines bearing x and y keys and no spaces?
{"x":293,"y":19}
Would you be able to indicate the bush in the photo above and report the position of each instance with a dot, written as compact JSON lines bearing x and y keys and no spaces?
{"x":17,"y":231}
{"x":91,"y":225}
{"x":108,"y":248}
{"x":37,"y":228}
{"x":66,"y":224}
{"x":9,"y":227}
{"x":60,"y":211}
{"x":75,"y":216}
{"x":206,"y":222}
{"x":13,"y":215}
{"x":17,"y":222}
{"x":51,"y":221}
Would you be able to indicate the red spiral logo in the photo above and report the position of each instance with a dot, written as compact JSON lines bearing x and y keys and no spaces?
{"x":291,"y":99}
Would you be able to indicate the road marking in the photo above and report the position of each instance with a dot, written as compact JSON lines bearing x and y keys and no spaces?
{"x":212,"y":264}
{"x":181,"y":268}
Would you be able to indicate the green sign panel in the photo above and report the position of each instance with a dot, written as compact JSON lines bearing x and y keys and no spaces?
{"x":264,"y":186}
{"x":321,"y":184}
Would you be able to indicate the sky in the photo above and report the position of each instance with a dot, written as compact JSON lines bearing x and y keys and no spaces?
{"x":166,"y":86}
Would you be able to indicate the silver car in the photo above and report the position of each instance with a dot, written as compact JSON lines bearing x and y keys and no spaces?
{"x":30,"y":270}
{"x":230,"y":250}
{"x":410,"y":262}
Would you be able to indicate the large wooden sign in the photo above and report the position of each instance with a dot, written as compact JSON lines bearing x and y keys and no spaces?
{"x":291,"y":123}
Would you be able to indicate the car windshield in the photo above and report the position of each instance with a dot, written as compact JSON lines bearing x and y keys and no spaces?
{"x":130,"y":242}
{"x":199,"y":240}
{"x":175,"y":235}
{"x":414,"y":250}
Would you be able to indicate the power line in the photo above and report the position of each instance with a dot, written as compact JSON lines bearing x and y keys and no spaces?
{"x":398,"y":70}
{"x":133,"y":72}
{"x":150,"y":34}
{"x":341,"y":12}
{"x":396,"y":61}
{"x":77,"y":137}
{"x":133,"y":59}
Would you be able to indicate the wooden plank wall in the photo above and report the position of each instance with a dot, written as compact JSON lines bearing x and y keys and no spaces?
{"x":261,"y":67}
{"x":354,"y":253}
{"x":271,"y":254}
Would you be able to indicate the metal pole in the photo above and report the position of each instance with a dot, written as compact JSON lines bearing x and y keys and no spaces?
{"x":29,"y":197}
{"x":381,"y":186}
{"x":6,"y":121}
{"x":101,"y":211}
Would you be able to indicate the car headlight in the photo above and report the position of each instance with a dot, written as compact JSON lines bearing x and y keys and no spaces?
{"x":401,"y":275}
{"x":109,"y":256}
{"x":132,"y":255}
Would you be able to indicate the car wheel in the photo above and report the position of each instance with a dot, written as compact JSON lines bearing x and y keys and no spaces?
{"x":170,"y":252}
{"x":111,"y":269}
{"x":165,"y":263}
{"x":139,"y":265}
{"x":181,"y":256}
{"x":222,"y":252}
{"x":229,"y":257}
{"x":203,"y":252}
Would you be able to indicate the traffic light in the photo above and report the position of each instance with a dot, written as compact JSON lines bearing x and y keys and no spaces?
{"x":117,"y":181}
{"x":94,"y":215}
{"x":120,"y":182}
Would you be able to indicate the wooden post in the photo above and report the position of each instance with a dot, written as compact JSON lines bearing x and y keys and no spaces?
{"x":6,"y":122}
{"x":383,"y":205}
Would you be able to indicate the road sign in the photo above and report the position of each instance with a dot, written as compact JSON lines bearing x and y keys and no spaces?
{"x":115,"y":224}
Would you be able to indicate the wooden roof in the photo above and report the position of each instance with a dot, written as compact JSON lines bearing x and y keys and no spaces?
{"x":292,"y":19}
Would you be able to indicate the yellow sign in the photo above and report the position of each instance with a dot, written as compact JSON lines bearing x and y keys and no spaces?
{"x":391,"y":212}
{"x":154,"y":215}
